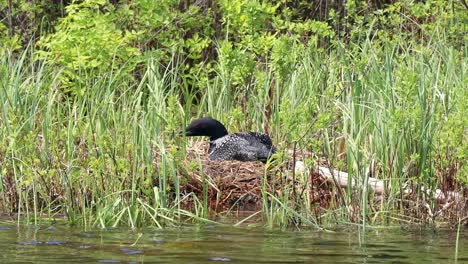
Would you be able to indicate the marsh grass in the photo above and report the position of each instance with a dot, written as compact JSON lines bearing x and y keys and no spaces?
{"x":110,"y":154}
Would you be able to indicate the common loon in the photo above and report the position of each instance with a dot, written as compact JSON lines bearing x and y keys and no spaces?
{"x":243,"y":146}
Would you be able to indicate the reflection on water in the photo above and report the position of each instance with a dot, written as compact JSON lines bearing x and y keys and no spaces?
{"x":210,"y":244}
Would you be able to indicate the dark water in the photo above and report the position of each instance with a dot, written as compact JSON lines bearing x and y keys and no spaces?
{"x":211,"y":244}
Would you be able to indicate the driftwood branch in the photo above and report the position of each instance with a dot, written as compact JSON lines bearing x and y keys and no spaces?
{"x":342,"y":179}
{"x":376,"y":185}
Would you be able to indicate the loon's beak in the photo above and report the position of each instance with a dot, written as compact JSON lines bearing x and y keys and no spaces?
{"x":187,"y":133}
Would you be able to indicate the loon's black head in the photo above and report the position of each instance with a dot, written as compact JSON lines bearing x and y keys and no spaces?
{"x":206,"y":126}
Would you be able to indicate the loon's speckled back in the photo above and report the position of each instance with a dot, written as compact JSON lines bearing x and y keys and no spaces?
{"x":243,"y":146}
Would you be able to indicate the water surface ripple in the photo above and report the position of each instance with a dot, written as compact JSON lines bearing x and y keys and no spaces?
{"x":212,"y":244}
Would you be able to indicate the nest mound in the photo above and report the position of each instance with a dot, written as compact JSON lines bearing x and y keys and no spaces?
{"x":228,"y":182}
{"x":235,"y":184}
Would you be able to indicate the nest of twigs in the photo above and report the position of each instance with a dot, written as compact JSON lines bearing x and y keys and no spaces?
{"x":238,"y":185}
{"x":225,"y":183}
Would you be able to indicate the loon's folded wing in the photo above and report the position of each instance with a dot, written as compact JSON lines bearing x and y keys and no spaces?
{"x":259,"y":143}
{"x":257,"y":139}
{"x":244,"y":146}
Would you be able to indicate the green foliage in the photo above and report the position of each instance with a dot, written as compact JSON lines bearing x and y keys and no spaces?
{"x":23,"y":21}
{"x":174,"y":34}
{"x":453,"y":131}
{"x":237,"y":64}
{"x":87,"y":41}
{"x":256,"y":31}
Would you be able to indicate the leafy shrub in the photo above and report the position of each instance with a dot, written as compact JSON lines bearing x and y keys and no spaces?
{"x":88,"y":41}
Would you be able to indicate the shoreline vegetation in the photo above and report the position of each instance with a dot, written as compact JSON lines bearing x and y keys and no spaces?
{"x":93,"y":93}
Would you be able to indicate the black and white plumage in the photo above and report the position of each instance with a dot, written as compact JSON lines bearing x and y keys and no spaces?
{"x":243,"y":146}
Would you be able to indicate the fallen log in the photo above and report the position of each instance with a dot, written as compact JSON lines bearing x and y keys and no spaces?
{"x":343,"y":177}
{"x":376,"y":185}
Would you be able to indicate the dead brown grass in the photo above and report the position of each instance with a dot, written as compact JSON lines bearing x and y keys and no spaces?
{"x":238,"y":185}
